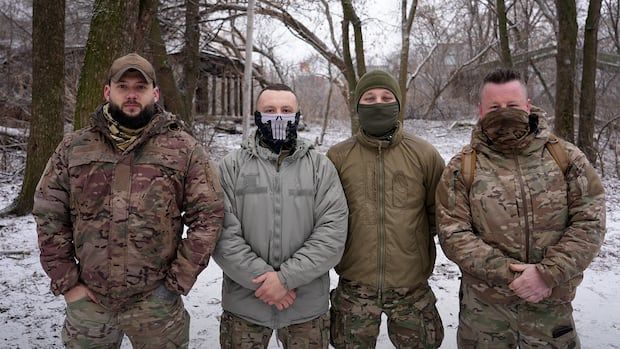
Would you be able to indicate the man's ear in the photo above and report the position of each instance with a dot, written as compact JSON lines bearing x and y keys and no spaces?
{"x":106,"y":93}
{"x":156,"y":94}
{"x":529,"y":105}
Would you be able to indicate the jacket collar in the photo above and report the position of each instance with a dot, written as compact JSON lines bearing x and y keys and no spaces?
{"x":161,"y":122}
{"x":373,"y":142}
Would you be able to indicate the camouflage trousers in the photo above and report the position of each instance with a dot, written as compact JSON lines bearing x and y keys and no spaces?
{"x":526,"y":325}
{"x":158,"y":321}
{"x":237,"y":333}
{"x":413,"y":319}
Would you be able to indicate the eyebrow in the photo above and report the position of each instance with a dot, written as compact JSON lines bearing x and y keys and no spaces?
{"x":275,"y":107}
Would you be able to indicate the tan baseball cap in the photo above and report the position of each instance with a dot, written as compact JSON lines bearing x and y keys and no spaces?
{"x":131,"y":61}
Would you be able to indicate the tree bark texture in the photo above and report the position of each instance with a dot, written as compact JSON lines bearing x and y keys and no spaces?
{"x":105,"y":43}
{"x":46,"y":123}
{"x":191,"y":58}
{"x":171,"y":97}
{"x":504,"y":42}
{"x":405,"y":31}
{"x":587,"y":99}
{"x":565,"y":69}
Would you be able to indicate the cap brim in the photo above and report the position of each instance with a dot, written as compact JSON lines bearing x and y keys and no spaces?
{"x":121,"y":72}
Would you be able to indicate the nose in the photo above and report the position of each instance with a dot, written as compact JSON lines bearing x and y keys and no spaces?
{"x":132,"y":94}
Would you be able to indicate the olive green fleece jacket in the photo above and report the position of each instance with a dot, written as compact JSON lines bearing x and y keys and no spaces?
{"x":390,"y":189}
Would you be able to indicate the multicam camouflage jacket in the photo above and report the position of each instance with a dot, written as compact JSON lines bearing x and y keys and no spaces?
{"x":114,"y":220}
{"x":521,"y":208}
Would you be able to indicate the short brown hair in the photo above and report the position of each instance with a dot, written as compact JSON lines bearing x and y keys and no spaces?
{"x":501,"y":76}
{"x":276,"y":87}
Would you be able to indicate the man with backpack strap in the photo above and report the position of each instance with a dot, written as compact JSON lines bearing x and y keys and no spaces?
{"x":522,"y":214}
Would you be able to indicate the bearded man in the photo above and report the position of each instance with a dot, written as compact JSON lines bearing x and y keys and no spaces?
{"x":110,"y":210}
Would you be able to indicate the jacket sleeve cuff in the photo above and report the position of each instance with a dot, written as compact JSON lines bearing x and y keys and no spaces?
{"x":283,"y":280}
{"x":59,"y":288}
{"x":547,"y":273}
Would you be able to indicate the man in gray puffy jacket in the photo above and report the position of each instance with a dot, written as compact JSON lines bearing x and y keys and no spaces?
{"x":285,"y":227}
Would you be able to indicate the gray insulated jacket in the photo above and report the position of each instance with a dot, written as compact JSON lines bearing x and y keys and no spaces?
{"x":290,"y":218}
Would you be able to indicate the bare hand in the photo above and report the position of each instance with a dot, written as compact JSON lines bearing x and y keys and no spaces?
{"x":271,"y":290}
{"x":287,"y":300}
{"x":529,"y":285}
{"x":78,"y":292}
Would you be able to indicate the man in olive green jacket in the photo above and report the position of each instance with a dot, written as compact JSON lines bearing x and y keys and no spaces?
{"x":522,"y":229}
{"x":389,"y":178}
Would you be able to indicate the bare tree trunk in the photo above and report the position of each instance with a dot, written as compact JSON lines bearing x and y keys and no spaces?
{"x":105,"y":43}
{"x":565,"y":69}
{"x":191,"y":58}
{"x":46,"y":123}
{"x":587,"y":99}
{"x":503,"y":34}
{"x":327,"y":104}
{"x":247,"y":75}
{"x":146,"y":12}
{"x":349,"y":73}
{"x":350,"y":17}
{"x":349,"y":13}
{"x":172,"y":99}
{"x":405,"y":32}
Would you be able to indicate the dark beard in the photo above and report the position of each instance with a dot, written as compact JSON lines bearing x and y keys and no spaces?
{"x":132,"y":122}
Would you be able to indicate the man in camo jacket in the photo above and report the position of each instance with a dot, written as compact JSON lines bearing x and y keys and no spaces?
{"x":522,"y":231}
{"x":110,"y":210}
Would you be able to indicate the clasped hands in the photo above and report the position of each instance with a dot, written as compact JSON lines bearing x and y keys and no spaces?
{"x":272,"y":291}
{"x":530,"y":285}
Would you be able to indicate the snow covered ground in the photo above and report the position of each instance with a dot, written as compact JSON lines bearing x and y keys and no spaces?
{"x":31,"y":317}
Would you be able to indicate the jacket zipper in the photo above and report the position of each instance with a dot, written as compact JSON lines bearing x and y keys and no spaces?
{"x":525,"y":215}
{"x":381,"y":226}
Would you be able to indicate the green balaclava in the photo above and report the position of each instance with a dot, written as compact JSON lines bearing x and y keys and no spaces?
{"x":380,"y":119}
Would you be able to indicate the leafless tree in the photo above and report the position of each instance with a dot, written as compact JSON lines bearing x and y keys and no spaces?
{"x":565,"y":69}
{"x":46,"y":123}
{"x":587,"y":99}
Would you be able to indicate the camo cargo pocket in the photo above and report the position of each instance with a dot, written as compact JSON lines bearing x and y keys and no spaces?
{"x":431,"y":321}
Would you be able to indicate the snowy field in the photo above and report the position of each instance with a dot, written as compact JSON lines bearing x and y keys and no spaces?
{"x":31,"y":317}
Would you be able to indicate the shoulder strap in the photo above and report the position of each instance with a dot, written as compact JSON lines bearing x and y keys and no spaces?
{"x":558,"y":152}
{"x":553,"y":145}
{"x":468,"y":166}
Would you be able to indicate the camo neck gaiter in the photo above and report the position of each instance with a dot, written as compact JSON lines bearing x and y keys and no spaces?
{"x":507,"y":129}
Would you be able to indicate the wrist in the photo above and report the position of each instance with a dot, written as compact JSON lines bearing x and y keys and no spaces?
{"x":282,"y":280}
